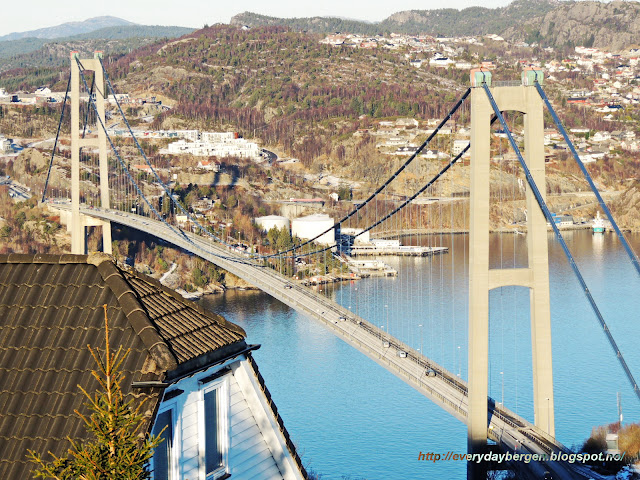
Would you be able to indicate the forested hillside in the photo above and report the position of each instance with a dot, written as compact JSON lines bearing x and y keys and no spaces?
{"x":283,"y":87}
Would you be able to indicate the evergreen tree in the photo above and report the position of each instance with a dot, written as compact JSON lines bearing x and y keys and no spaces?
{"x":116,"y":450}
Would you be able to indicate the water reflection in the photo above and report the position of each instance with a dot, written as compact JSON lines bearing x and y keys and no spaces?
{"x":351,"y":417}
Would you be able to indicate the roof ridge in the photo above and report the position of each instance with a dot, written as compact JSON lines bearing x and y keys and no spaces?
{"x":43,"y":258}
{"x":219,"y":319}
{"x":134,"y":311}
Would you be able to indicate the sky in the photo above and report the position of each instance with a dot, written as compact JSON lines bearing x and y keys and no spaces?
{"x":33,"y":14}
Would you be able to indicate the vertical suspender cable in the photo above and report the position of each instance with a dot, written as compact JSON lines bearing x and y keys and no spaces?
{"x":605,"y":208}
{"x":572,"y":263}
{"x":55,"y":144}
{"x":117,"y":154}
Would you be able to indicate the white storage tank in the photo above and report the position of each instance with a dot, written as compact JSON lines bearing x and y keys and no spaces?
{"x":310,"y":226}
{"x":271,"y":221}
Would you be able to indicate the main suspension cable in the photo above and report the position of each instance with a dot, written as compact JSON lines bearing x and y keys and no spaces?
{"x":55,"y":144}
{"x":392,"y":178}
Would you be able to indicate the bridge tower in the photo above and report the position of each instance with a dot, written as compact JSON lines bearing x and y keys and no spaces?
{"x":522,"y":98}
{"x":79,"y":222}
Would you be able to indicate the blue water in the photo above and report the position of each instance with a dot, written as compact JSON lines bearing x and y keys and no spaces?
{"x":350,"y":418}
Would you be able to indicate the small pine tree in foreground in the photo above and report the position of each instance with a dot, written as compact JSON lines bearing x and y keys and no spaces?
{"x":119,"y":449}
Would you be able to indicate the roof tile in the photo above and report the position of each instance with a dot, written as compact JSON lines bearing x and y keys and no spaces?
{"x":50,"y":310}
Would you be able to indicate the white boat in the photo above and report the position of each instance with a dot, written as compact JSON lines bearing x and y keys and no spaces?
{"x":598,"y":224}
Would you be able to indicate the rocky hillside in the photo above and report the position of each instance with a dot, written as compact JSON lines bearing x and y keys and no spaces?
{"x":611,"y":26}
{"x":442,"y":21}
{"x":626,"y":209}
{"x":308,"y":24}
{"x":470,"y":21}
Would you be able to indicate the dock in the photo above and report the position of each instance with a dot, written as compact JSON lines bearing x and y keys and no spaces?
{"x":397,"y":250}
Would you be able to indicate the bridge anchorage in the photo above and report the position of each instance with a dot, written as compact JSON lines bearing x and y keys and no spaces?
{"x":120,"y":198}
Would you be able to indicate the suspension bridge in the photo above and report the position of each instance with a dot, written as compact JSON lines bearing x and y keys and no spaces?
{"x":142,"y":204}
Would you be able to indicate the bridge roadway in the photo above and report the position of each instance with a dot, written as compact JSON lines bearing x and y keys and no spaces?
{"x":510,"y":432}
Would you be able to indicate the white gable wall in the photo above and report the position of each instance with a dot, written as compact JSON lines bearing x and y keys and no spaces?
{"x":265,"y":421}
{"x":253,"y":446}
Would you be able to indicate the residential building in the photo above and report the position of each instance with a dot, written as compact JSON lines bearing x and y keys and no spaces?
{"x":42,"y":92}
{"x":459,"y":146}
{"x":406,"y":123}
{"x":5,"y":145}
{"x":194,"y":370}
{"x":121,"y":98}
{"x":601,"y":137}
{"x":209,"y":165}
{"x":215,"y":144}
{"x":142,"y":168}
{"x":396,"y":142}
{"x":440,"y":61}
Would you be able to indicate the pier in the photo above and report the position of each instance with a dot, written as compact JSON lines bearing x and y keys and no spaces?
{"x":397,"y":250}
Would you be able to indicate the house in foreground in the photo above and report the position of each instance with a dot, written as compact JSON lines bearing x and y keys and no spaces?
{"x":194,"y":368}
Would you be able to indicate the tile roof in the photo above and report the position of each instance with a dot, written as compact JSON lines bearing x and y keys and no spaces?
{"x":51,"y":308}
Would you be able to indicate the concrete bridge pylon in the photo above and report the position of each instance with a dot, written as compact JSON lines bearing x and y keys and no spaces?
{"x":78,"y":221}
{"x":482,"y":278}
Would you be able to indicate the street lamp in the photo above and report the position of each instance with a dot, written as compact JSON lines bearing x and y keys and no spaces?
{"x":502,"y":377}
{"x":387,"y":309}
{"x":459,"y":363}
{"x":357,"y":310}
{"x":421,"y":351}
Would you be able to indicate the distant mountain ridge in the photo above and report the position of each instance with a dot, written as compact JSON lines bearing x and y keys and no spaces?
{"x":614,"y":25}
{"x":42,"y":52}
{"x":69,"y":29}
{"x":23,"y":46}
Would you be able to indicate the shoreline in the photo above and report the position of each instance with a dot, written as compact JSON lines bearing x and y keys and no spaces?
{"x":519,"y":230}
